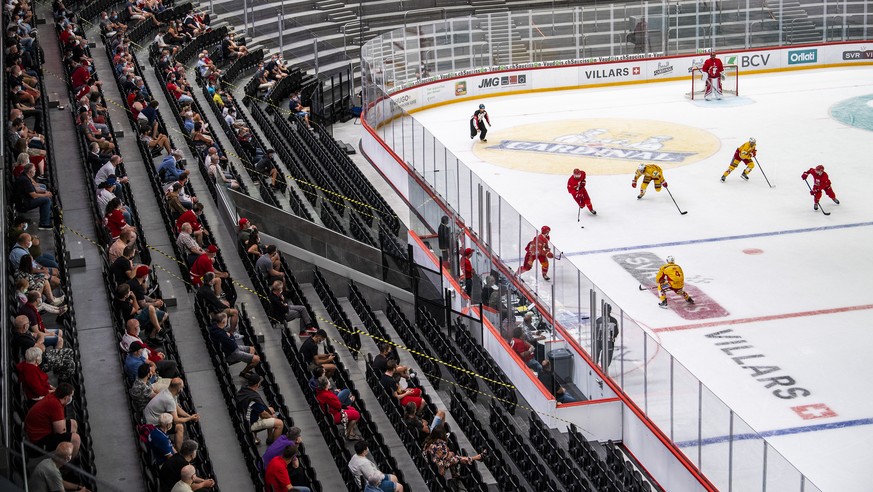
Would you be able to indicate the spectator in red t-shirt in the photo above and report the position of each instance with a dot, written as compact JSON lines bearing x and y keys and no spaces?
{"x":276,"y":476}
{"x":193,"y":217}
{"x":202,"y":265}
{"x":46,"y":424}
{"x":524,"y":350}
{"x":33,"y":379}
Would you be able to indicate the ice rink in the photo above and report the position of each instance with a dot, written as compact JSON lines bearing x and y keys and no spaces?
{"x":797,"y":286}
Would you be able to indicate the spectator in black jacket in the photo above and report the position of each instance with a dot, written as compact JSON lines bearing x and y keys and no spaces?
{"x":282,"y":311}
{"x":259,"y":415}
{"x":226,"y":343}
{"x":215,"y":304}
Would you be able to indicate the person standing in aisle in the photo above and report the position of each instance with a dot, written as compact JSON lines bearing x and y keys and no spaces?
{"x":467,"y":272}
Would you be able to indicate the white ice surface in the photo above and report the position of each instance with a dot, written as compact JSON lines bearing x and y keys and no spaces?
{"x":818,"y":270}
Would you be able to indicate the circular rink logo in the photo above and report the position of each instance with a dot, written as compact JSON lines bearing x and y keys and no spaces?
{"x":599,"y":146}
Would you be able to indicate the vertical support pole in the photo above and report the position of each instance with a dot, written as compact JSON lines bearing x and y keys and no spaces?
{"x":490,"y":39}
{"x":315,"y":53}
{"x":781,"y":16}
{"x":764,"y":468}
{"x":530,"y":42}
{"x":592,"y":309}
{"x":846,"y":20}
{"x":824,"y":22}
{"x":731,"y":455}
{"x":576,"y":30}
{"x":282,"y":34}
{"x":480,"y":193}
{"x":748,"y":33}
{"x":696,"y":29}
{"x":672,"y":396}
{"x":509,"y":35}
{"x":470,"y":31}
{"x":246,"y":16}
{"x":579,"y":306}
{"x":645,"y":374}
{"x":612,"y":28}
{"x":699,"y":425}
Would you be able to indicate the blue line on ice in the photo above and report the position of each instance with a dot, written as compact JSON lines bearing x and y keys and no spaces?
{"x":717,"y":239}
{"x":778,"y":432}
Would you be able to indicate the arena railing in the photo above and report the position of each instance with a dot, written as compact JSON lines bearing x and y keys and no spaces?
{"x":681,"y":412}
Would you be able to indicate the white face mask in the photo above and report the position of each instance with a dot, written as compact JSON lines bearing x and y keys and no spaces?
{"x":29,"y":244}
{"x":24,"y":227}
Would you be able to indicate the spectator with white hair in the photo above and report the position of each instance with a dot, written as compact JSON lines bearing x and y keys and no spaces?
{"x":158,"y":440}
{"x":33,"y":380}
{"x":186,"y":479}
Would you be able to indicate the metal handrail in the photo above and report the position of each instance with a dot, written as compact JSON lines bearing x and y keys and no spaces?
{"x":790,"y":30}
{"x":419,"y":11}
{"x":752,"y":32}
{"x":584,"y":44}
{"x":834,"y":25}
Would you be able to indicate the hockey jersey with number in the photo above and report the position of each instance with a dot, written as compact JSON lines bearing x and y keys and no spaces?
{"x":651,"y":171}
{"x":671,"y":274}
{"x":747,"y":150}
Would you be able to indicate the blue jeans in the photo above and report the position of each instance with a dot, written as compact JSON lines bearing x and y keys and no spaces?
{"x":566,"y":398}
{"x":535,"y":365}
{"x":344,"y":397}
{"x":44,"y":204}
{"x":47,"y":260}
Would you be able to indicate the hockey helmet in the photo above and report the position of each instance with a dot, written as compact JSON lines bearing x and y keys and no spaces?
{"x":752,"y":140}
{"x":641,"y":168}
{"x":545,"y":230}
{"x":819,"y":168}
{"x":481,"y":106}
{"x":468,"y":251}
{"x":577,"y":172}
{"x":712,"y":54}
{"x":670,"y":259}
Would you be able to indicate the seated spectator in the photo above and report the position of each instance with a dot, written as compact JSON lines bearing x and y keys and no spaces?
{"x":174,"y":202}
{"x":47,"y":474}
{"x":143,"y":390}
{"x":112,"y":168}
{"x":177,"y":92}
{"x":27,"y":244}
{"x":348,"y":417}
{"x":261,"y":78}
{"x":269,"y":265}
{"x":297,"y":107}
{"x":123,"y":268}
{"x":166,"y":401}
{"x":204,"y":264}
{"x":166,"y":368}
{"x":114,"y":218}
{"x":192,"y":217}
{"x":205,"y":67}
{"x":230,"y":50}
{"x":374,"y":484}
{"x":31,"y":195}
{"x":282,"y":311}
{"x":345,"y":395}
{"x":107,"y":191}
{"x":259,"y":415}
{"x":126,"y":238}
{"x":254,"y":248}
{"x":110,"y":25}
{"x":225,"y":342}
{"x":137,"y":14}
{"x":405,"y":396}
{"x":94,"y":135}
{"x":188,"y":246}
{"x":532,"y":335}
{"x":186,"y":479}
{"x":59,"y":361}
{"x":54,"y":337}
{"x":436,"y":449}
{"x":277,"y":477}
{"x":46,"y":424}
{"x":552,"y":383}
{"x":139,"y":285}
{"x":156,"y":143}
{"x":169,"y":170}
{"x":38,"y":281}
{"x":215,"y":304}
{"x":309,"y":351}
{"x":292,"y":436}
{"x":134,"y":359}
{"x":187,"y":201}
{"x":215,"y":169}
{"x":524,"y":350}
{"x":361,"y":466}
{"x":171,"y":470}
{"x":158,"y":441}
{"x":33,"y":380}
{"x":266,"y":166}
{"x":149,"y":316}
{"x":418,"y":427}
{"x":96,"y":160}
{"x":389,"y":352}
{"x":246,"y":228}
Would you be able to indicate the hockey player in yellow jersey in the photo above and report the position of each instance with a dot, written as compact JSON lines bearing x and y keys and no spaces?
{"x":745,"y":154}
{"x":649,"y":172}
{"x":670,"y":277}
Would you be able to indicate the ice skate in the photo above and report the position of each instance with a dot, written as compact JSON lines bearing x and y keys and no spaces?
{"x":593,"y":212}
{"x":546,"y":278}
{"x":641,"y":195}
{"x":744,"y":176}
{"x":815,"y":206}
{"x":663,"y":304}
{"x":836,"y":201}
{"x":689,"y":300}
{"x":723,"y":178}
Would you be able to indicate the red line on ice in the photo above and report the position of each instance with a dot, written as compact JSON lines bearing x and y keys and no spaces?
{"x":764,"y":318}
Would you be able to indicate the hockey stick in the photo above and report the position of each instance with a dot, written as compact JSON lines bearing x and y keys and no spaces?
{"x":579,"y":216}
{"x":674,"y":201}
{"x":762,"y":171}
{"x":819,"y":205}
{"x":648,"y":288}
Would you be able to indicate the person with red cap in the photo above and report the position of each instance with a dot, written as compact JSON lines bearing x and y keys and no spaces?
{"x":576,"y":188}
{"x":193,"y":217}
{"x":538,"y":249}
{"x":245,"y":230}
{"x":139,"y":287}
{"x":202,"y":265}
{"x":821,"y":183}
{"x":467,"y":272}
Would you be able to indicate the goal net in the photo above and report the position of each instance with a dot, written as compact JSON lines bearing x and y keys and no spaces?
{"x":729,"y":85}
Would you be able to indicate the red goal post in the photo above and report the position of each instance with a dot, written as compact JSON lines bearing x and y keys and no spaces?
{"x":730,"y":85}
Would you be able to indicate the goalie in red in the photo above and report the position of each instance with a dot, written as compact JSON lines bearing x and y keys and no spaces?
{"x":713,"y":74}
{"x":538,"y":249}
{"x":576,"y":187}
{"x":821,"y":183}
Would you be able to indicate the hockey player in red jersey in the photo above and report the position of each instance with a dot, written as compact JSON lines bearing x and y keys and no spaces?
{"x":712,"y":75}
{"x":576,"y":188}
{"x":821,"y":183}
{"x":538,"y":249}
{"x":477,"y":123}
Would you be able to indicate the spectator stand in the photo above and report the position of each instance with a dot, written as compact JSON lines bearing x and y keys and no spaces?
{"x":55,"y":243}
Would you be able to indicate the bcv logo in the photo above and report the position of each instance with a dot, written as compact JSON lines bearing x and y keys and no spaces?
{"x":797,"y":57}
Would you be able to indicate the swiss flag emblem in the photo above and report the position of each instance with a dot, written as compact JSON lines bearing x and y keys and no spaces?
{"x":636,"y":70}
{"x":814,"y":411}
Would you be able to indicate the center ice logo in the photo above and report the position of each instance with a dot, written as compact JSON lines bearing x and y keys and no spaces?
{"x":605,"y":146}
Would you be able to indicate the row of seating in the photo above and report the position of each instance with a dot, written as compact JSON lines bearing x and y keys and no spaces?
{"x":410,"y":336}
{"x":611,"y":474}
{"x":495,"y":378}
{"x":369,"y":430}
{"x":557,"y":459}
{"x":519,"y":450}
{"x":457,"y":367}
{"x":479,"y":438}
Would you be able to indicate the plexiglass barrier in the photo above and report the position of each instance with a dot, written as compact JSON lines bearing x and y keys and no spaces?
{"x":710,"y":434}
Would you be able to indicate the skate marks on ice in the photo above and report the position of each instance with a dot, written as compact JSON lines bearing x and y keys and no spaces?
{"x":643,"y":266}
{"x":724,"y":102}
